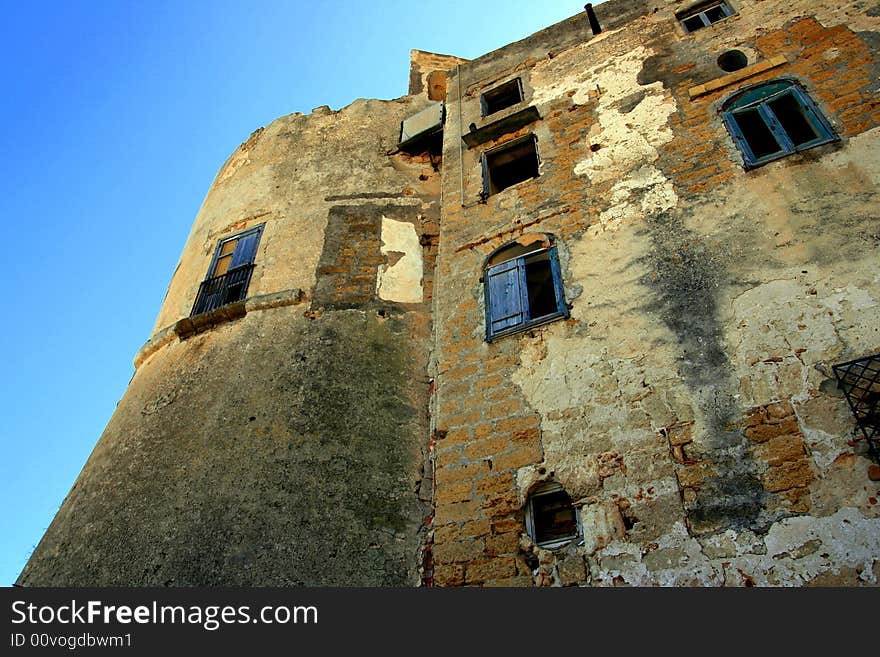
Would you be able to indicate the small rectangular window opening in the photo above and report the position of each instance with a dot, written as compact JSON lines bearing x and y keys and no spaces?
{"x":501,"y":97}
{"x":551,"y":518}
{"x":704,"y":16}
{"x":510,"y":164}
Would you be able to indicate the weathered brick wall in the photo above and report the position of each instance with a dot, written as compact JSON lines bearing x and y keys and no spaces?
{"x":836,"y":65}
{"x":690,"y":425}
{"x":686,"y":402}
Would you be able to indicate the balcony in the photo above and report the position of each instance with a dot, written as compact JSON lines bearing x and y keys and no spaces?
{"x":222,"y":290}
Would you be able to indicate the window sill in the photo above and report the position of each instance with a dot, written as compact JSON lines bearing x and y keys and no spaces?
{"x":773,"y":158}
{"x":546,"y":319}
{"x":203,"y":321}
{"x":189,"y":326}
{"x":736,"y":76}
{"x":501,"y":126}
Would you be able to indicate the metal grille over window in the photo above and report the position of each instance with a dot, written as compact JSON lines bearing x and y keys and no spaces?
{"x":860,"y":381}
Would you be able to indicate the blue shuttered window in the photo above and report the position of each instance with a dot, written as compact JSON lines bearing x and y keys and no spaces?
{"x":230,"y":272}
{"x":506,"y":296}
{"x":523,"y":292}
{"x":245,"y":248}
{"x":774,"y":119}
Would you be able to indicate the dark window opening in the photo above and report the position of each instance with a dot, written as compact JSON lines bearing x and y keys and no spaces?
{"x":523,"y":291}
{"x":775,"y":119}
{"x":551,"y":518}
{"x":704,"y":16}
{"x":791,"y":115}
{"x":501,"y":97}
{"x":732,"y":60}
{"x":230,"y":272}
{"x":757,"y":134}
{"x":539,"y":281}
{"x":509,"y":164}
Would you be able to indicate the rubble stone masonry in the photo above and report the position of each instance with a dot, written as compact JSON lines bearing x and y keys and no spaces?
{"x":348,"y":423}
{"x":687,"y":404}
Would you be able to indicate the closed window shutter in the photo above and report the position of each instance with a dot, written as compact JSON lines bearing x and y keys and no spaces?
{"x":505,"y":292}
{"x":245,"y":249}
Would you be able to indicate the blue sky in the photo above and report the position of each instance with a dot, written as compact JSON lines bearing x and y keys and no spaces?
{"x":116,"y":116}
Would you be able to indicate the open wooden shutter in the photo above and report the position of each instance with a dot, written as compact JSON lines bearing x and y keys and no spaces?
{"x":506,"y":303}
{"x":561,"y":306}
{"x":245,"y":249}
{"x":486,"y":182}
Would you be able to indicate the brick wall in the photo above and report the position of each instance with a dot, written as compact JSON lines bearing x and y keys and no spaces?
{"x":490,"y":439}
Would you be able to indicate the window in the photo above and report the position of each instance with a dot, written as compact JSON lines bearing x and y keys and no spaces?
{"x":704,"y":15}
{"x":509,"y":164}
{"x":860,"y":382}
{"x":501,"y":97}
{"x":230,"y":271}
{"x":551,"y":518}
{"x":774,"y":119}
{"x":523,"y":288}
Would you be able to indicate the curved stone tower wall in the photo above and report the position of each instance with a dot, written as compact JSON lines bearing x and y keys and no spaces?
{"x":282,"y":440}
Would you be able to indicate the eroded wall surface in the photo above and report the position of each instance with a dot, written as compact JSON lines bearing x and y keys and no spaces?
{"x":687,"y":404}
{"x":349,"y":424}
{"x":283,"y":442}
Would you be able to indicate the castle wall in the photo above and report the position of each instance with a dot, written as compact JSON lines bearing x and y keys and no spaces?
{"x":282,"y":441}
{"x":349,"y":422}
{"x":687,"y":404}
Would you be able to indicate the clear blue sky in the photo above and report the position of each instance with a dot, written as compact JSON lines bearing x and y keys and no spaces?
{"x":116,"y":116}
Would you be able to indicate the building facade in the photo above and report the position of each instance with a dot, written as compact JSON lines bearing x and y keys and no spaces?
{"x":601,"y":307}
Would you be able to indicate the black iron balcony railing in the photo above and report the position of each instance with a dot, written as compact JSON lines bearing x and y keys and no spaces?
{"x":222,"y":290}
{"x":860,"y":381}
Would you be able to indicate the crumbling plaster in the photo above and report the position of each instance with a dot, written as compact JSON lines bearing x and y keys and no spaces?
{"x":400,"y":280}
{"x":601,"y":391}
{"x":288,"y":175}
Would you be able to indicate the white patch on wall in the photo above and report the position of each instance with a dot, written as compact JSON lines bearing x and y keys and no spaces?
{"x":401,"y":280}
{"x":631,"y":125}
{"x":645,"y":191}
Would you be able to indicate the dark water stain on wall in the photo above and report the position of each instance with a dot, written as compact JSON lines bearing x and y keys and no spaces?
{"x":686,"y":273}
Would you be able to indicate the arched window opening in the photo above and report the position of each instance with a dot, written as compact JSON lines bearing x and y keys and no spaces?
{"x":774,"y":119}
{"x":523,"y":286}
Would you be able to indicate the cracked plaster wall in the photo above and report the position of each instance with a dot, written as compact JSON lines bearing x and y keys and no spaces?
{"x":400,"y":280}
{"x":688,"y":313}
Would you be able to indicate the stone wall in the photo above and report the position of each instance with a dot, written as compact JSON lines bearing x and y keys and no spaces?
{"x":281,"y":440}
{"x":349,"y":423}
{"x":687,"y":404}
